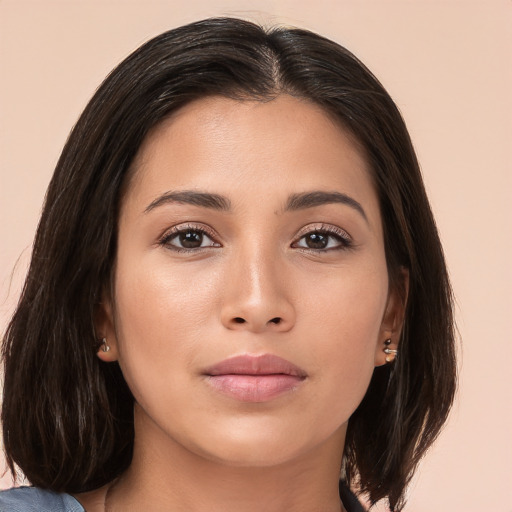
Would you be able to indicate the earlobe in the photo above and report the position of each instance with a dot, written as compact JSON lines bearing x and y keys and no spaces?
{"x":386,"y":352}
{"x":104,"y":352}
{"x":106,"y":347}
{"x":391,"y":353}
{"x":392,"y":322}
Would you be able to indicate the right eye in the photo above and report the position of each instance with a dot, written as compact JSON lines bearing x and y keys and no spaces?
{"x":187,"y":239}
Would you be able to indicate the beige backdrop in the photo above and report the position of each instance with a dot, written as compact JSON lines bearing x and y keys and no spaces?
{"x":447,"y":64}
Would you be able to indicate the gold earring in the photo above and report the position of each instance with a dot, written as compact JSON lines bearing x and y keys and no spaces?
{"x":104,"y":345}
{"x":390,"y":352}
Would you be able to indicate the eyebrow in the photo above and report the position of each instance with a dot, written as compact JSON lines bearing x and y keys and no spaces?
{"x":202,"y":199}
{"x":295,"y":202}
{"x":319,"y":198}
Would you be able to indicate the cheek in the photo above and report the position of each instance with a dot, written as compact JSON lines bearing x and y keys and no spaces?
{"x":347,"y":305}
{"x":155,"y":298}
{"x":346,"y":321}
{"x":162,"y":317}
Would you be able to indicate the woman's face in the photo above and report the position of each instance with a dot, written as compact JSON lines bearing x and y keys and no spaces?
{"x":249,"y":229}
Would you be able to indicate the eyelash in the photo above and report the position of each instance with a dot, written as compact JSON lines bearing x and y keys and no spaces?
{"x":175,"y":231}
{"x":342,"y":237}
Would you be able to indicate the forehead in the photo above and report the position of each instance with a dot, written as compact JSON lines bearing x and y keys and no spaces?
{"x":264,"y":149}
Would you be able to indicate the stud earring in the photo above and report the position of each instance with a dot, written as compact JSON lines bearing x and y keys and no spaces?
{"x":104,"y":345}
{"x":390,"y":352}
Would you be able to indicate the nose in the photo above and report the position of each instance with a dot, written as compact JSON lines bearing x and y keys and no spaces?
{"x":257,"y":296}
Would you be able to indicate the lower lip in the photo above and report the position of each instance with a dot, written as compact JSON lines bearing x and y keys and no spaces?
{"x":254,"y":388}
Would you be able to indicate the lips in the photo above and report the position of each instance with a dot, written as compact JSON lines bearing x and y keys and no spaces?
{"x":255,"y":378}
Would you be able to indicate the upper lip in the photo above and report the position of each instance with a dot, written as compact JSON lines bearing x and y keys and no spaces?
{"x":266,"y":364}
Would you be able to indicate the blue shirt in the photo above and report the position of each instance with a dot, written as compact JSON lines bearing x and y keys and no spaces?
{"x":33,"y":499}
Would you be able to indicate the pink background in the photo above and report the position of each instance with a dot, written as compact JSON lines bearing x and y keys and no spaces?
{"x":448,"y":66}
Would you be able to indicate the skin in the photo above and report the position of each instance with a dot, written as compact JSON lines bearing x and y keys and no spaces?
{"x":174,"y":313}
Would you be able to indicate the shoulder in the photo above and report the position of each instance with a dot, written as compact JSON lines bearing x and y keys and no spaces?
{"x":33,"y":499}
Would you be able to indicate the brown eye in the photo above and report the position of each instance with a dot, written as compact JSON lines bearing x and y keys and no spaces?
{"x":324,"y":240}
{"x":316,"y":240}
{"x":191,"y":239}
{"x":188,"y":239}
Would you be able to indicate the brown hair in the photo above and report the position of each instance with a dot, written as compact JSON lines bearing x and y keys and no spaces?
{"x":67,"y":417}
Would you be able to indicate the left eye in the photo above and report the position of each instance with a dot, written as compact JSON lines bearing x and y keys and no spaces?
{"x":189,"y":239}
{"x":322,"y":240}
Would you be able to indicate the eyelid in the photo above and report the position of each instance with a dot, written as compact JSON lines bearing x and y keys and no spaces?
{"x":323,"y":227}
{"x":346,"y":241}
{"x":329,"y":229}
{"x":173,"y":231}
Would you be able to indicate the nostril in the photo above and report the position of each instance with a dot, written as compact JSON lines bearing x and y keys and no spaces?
{"x":239,"y":320}
{"x":276,"y":320}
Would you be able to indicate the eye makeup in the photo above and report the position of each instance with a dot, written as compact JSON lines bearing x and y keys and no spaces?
{"x":322,"y":238}
{"x":189,"y":237}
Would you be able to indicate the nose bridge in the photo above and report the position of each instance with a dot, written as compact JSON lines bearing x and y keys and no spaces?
{"x":261,"y":278}
{"x":256,"y":295}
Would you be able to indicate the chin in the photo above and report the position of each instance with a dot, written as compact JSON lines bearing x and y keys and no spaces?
{"x":252,"y":455}
{"x":261,"y":447}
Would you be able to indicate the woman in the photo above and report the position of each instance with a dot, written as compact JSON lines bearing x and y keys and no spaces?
{"x":237,"y":298}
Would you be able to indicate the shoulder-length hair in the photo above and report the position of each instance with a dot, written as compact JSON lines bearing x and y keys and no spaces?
{"x":67,"y":417}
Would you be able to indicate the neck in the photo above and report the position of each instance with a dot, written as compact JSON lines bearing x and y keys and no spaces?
{"x":165,"y":475}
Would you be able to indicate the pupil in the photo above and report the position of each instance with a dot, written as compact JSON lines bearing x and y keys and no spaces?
{"x":191,"y":239}
{"x":316,"y":241}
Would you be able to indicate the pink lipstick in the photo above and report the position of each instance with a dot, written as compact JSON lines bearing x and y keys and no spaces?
{"x":255,"y":378}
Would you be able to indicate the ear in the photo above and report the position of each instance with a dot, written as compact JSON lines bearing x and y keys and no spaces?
{"x":105,"y":330}
{"x":393,"y":319}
